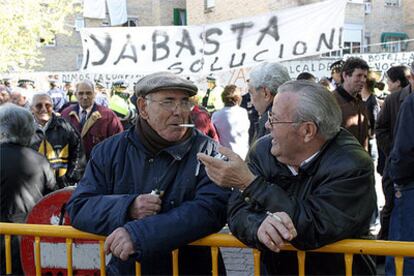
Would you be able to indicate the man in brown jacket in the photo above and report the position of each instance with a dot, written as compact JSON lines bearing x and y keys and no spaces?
{"x":354,"y":115}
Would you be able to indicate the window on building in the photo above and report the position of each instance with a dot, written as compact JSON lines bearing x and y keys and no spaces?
{"x":394,"y":41}
{"x":180,"y":17}
{"x":394,"y":45}
{"x":367,"y":8}
{"x":392,"y":3}
{"x":351,"y":47}
{"x":332,"y":54}
{"x":79,"y":22}
{"x":132,"y":22}
{"x":209,"y":5}
{"x":50,"y":43}
{"x":367,"y":42}
{"x":79,"y":59}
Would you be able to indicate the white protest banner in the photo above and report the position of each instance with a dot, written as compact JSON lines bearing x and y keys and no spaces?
{"x":384,"y":61}
{"x":277,"y":36}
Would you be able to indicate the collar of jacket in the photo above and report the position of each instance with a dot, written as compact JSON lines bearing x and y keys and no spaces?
{"x":49,"y":125}
{"x":52,"y":123}
{"x":92,"y":118}
{"x":348,"y":97}
{"x":176,"y":151}
{"x":310,"y":167}
{"x":405,"y":92}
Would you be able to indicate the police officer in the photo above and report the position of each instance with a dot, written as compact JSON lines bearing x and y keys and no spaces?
{"x":336,"y":69}
{"x":212,"y":98}
{"x":121,"y":104}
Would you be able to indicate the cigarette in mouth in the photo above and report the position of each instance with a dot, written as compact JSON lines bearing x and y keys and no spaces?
{"x":186,"y":125}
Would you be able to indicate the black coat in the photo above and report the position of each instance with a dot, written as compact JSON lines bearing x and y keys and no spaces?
{"x":25,"y":177}
{"x":332,"y":198}
{"x":61,"y":144}
{"x":401,"y":161}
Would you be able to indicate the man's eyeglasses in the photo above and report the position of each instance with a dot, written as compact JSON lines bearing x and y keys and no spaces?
{"x":87,"y":93}
{"x":272,"y":121}
{"x":39,"y":106}
{"x":171,"y":105}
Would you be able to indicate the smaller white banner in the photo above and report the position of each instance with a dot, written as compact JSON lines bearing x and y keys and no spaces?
{"x":384,"y":61}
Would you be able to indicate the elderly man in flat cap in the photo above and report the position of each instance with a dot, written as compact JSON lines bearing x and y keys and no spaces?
{"x":147,"y":191}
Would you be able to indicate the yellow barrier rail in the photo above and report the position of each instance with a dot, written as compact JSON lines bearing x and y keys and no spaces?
{"x":349,"y":247}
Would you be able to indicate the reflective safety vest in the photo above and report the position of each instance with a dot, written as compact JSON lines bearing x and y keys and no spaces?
{"x":124,"y":109}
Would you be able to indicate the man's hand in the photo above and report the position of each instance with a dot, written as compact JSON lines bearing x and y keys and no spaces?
{"x":275,"y":229}
{"x":144,"y":205}
{"x":119,"y":243}
{"x":232,"y":173}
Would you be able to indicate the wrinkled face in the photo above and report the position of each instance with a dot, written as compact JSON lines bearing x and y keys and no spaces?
{"x":286,"y":142}
{"x":354,"y":83}
{"x":85,"y":95}
{"x":4,"y":96}
{"x":393,"y":86}
{"x":258,"y":98}
{"x":164,"y":111}
{"x":42,"y":109}
{"x":18,"y":98}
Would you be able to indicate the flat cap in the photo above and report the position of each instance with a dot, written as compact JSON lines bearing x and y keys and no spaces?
{"x":163,"y":81}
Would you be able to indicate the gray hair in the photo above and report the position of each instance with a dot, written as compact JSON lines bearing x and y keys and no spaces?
{"x":315,"y":104}
{"x":16,"y":124}
{"x":269,"y":75}
{"x":86,"y":81}
{"x":39,"y":95}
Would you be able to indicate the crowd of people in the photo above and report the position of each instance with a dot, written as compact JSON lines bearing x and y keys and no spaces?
{"x":290,"y":161}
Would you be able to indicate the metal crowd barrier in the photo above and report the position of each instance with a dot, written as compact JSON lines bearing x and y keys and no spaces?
{"x":349,"y":247}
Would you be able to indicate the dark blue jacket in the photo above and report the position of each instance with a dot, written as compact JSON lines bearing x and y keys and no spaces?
{"x":120,"y":169}
{"x":401,"y":162}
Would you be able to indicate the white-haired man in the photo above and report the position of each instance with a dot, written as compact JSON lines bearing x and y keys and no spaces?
{"x":264,"y":80}
{"x":58,"y":141}
{"x":308,"y":182}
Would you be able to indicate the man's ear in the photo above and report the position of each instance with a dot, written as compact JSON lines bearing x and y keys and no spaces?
{"x":142,"y":107}
{"x":344,"y":76}
{"x":268,"y":94}
{"x":308,"y":131}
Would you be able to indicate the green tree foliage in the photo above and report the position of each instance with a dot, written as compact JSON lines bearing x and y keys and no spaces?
{"x":24,"y":24}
